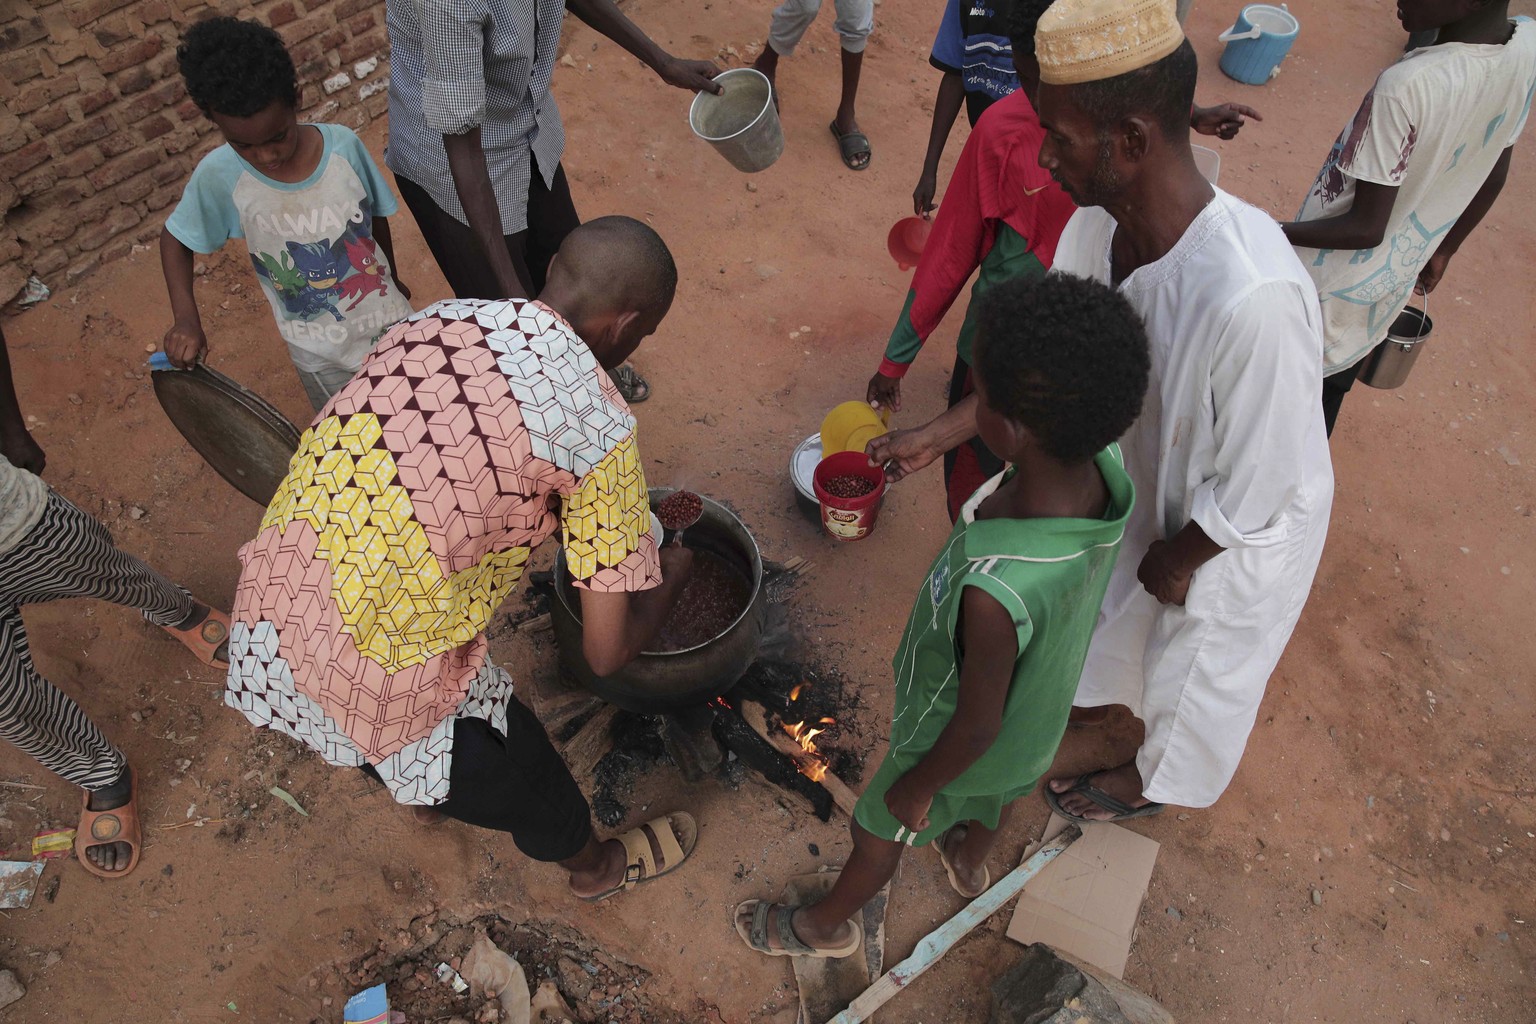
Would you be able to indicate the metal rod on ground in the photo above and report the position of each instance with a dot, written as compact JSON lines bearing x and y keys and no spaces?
{"x":943,"y":938}
{"x":781,"y":741}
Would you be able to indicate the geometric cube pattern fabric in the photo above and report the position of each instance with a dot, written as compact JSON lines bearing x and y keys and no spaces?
{"x":408,"y":515}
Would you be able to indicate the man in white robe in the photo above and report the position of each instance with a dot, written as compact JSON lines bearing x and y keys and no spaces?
{"x":1229,"y":456}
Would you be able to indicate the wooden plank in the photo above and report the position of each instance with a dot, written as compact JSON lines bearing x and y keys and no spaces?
{"x":754,"y":715}
{"x":824,"y":984}
{"x":591,"y":742}
{"x":943,"y":938}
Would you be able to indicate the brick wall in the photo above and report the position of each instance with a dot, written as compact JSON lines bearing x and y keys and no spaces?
{"x":97,"y":134}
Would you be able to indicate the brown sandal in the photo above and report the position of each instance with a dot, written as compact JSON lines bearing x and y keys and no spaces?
{"x":676,"y":835}
{"x":208,"y":638}
{"x":119,"y":825}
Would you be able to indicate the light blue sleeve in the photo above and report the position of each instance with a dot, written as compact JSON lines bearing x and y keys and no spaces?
{"x":351,"y":148}
{"x":206,"y":217}
{"x":949,"y":45}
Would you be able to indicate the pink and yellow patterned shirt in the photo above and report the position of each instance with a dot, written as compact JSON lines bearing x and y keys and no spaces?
{"x":471,"y":433}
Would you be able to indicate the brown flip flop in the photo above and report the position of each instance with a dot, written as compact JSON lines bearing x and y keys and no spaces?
{"x":208,"y":638}
{"x":119,"y":825}
{"x":949,"y":869}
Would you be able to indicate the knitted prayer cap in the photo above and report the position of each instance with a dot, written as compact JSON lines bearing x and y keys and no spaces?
{"x":1090,"y":40}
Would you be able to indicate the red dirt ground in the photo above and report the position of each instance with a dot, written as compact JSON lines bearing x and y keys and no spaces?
{"x":1391,"y":772}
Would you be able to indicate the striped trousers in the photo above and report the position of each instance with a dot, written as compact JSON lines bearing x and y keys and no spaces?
{"x":68,"y":554}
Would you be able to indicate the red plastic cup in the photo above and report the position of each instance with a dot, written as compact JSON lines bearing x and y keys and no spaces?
{"x":906,"y":240}
{"x":848,"y":518}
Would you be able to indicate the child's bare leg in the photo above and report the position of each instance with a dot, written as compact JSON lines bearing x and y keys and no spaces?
{"x":768,"y":63}
{"x":968,"y":856}
{"x":872,"y":864}
{"x":825,"y":924}
{"x":853,"y":63}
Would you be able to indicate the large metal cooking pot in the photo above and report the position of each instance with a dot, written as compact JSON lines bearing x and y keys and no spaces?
{"x":657,"y":682}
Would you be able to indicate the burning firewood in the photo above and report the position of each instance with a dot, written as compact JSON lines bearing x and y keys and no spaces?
{"x":812,"y":764}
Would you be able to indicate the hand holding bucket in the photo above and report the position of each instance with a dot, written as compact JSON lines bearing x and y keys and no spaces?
{"x":741,"y":122}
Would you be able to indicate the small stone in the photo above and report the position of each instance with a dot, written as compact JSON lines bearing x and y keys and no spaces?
{"x":150,"y":348}
{"x":568,"y":61}
{"x":804,"y":329}
{"x":10,"y":989}
{"x":815,"y":850}
{"x":751,"y":187}
{"x":134,"y":512}
{"x":1317,"y":947}
{"x":168,"y":871}
{"x":75,"y":399}
{"x":136,"y":716}
{"x":1445,"y":835}
{"x":1183,"y":817}
{"x":1175,"y":913}
{"x":1317,"y":897}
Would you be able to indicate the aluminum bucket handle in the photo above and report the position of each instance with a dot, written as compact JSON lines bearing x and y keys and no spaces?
{"x":1423,"y":308}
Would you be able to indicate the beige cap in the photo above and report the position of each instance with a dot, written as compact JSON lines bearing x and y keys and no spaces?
{"x":1090,"y":40}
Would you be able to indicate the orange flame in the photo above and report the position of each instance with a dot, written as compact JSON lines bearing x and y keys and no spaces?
{"x":814,"y":765}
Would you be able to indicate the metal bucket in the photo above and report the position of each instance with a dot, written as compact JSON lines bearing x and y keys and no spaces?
{"x":1388,"y":364}
{"x":658,"y":681}
{"x":741,"y":123}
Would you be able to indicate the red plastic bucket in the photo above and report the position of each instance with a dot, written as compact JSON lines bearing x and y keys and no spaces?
{"x":848,"y":518}
{"x":906,"y":240}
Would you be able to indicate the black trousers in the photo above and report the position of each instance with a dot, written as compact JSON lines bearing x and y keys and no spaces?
{"x":517,"y":784}
{"x":1335,"y":387}
{"x":551,"y":216}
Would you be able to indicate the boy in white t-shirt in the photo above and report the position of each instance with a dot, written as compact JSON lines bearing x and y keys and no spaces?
{"x":1412,"y":174}
{"x":307,"y":198}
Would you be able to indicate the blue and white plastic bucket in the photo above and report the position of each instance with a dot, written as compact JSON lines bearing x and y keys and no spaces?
{"x":1258,"y":42}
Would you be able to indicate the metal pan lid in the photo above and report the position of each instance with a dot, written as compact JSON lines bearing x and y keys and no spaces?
{"x":236,"y":431}
{"x":803,"y":463}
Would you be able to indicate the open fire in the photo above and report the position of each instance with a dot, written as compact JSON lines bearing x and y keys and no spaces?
{"x":814,"y":764}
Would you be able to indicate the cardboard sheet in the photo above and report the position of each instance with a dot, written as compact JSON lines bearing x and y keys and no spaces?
{"x":1086,"y":901}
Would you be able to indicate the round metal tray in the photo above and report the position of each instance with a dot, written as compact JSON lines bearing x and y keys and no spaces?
{"x":236,"y":431}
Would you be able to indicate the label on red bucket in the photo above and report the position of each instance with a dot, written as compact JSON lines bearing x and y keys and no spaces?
{"x":849,"y":490}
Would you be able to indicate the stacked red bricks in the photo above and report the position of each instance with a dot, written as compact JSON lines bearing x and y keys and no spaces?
{"x":97,"y":135}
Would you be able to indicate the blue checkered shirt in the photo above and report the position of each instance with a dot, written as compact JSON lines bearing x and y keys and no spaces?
{"x":456,"y":64}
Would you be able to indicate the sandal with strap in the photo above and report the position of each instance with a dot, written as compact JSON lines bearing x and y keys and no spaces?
{"x":675,"y":836}
{"x":119,"y":825}
{"x":208,"y":637}
{"x":631,"y":385}
{"x":949,"y":868}
{"x":853,"y":147}
{"x":756,"y":935}
{"x":1121,"y":811}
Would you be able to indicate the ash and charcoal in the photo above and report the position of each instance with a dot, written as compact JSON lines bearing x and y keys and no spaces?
{"x":716,"y":740}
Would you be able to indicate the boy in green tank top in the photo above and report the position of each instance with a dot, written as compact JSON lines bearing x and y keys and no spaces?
{"x":991,"y":656}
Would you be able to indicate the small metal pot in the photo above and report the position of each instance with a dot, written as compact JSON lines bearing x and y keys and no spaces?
{"x":656,"y":682}
{"x":1389,"y":363}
